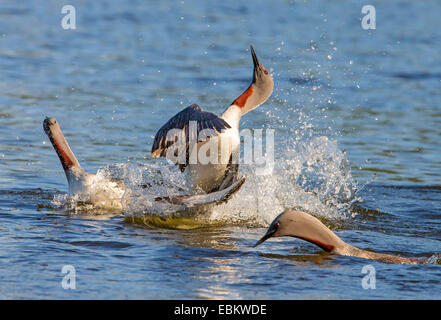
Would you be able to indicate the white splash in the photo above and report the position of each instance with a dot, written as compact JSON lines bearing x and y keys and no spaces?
{"x":311,"y":176}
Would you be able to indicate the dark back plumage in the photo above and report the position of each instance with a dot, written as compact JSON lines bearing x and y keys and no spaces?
{"x":203,"y":119}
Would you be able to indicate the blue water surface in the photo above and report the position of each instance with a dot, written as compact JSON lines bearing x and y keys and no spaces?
{"x":131,"y":65}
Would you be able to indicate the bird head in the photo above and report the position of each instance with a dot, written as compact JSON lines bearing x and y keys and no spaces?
{"x":277,"y":228}
{"x":301,"y":225}
{"x":262,"y":79}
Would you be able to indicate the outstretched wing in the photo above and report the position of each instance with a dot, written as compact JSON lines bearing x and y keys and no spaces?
{"x":196,"y":200}
{"x":181,"y":121}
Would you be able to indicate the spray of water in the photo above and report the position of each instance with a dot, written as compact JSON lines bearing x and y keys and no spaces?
{"x":313,"y":176}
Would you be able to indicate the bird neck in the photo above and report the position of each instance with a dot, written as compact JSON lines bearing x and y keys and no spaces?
{"x":313,"y":230}
{"x":67,"y":157}
{"x":247,"y":100}
{"x":349,"y":250}
{"x":71,"y":166}
{"x":252,"y":97}
{"x":232,"y":116}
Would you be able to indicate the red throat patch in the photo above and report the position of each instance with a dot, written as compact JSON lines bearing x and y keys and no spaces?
{"x":66,"y":161}
{"x":242,"y":99}
{"x":324,"y":246}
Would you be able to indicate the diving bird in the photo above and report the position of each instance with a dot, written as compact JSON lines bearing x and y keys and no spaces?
{"x":101,"y":191}
{"x":221,"y":171}
{"x":301,"y":225}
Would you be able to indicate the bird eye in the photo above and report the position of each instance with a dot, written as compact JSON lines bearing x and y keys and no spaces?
{"x":276,"y":225}
{"x":266,"y":72}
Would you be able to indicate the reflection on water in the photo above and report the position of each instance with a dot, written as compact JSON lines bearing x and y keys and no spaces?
{"x":214,"y":238}
{"x":304,"y":260}
{"x":230,"y":272}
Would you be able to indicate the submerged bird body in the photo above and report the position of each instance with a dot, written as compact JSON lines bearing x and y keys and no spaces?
{"x":99,"y":190}
{"x":301,"y":225}
{"x":212,"y":161}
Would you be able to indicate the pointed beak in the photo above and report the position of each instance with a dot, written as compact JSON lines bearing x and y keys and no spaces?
{"x":255,"y":60}
{"x":267,"y":235}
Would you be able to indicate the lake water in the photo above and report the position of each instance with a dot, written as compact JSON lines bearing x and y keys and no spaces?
{"x":357,"y":120}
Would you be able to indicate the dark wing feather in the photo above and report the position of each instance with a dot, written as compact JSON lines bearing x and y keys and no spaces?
{"x":204,"y":120}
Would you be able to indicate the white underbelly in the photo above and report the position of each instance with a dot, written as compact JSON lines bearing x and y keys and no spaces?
{"x":206,"y":177}
{"x":209,"y":170}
